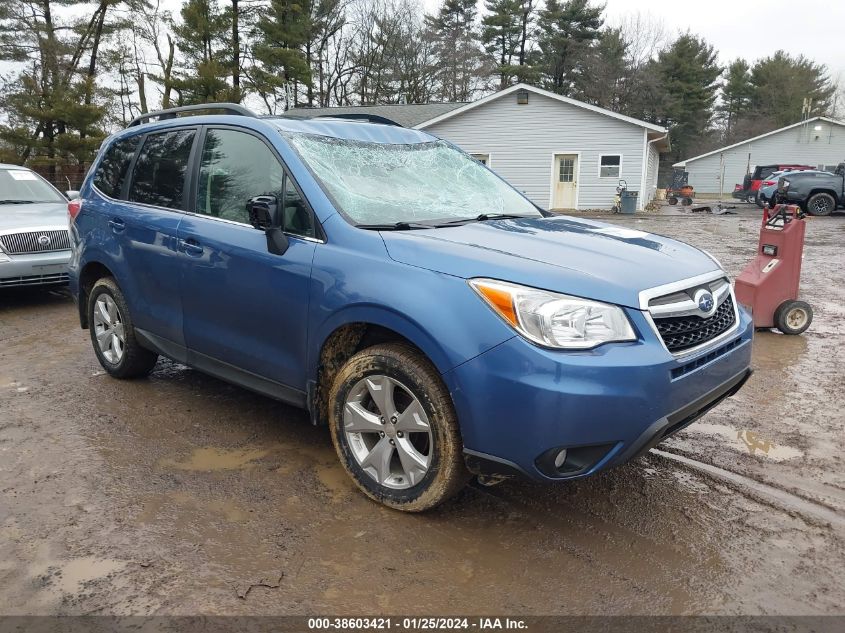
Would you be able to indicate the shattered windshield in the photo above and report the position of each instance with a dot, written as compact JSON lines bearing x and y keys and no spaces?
{"x":376,"y":183}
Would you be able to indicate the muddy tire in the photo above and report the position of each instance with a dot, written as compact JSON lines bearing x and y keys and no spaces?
{"x":821,"y":204}
{"x":113,"y":335}
{"x":395,"y":430}
{"x":793,"y":317}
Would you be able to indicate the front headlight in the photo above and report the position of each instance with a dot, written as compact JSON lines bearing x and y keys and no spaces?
{"x":555,"y":320}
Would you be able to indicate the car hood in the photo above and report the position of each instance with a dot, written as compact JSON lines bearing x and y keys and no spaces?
{"x":38,"y":215}
{"x":574,"y":256}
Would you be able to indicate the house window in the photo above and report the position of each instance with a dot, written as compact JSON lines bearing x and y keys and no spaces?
{"x":567,"y":170}
{"x":610,"y":166}
{"x":484,"y":159}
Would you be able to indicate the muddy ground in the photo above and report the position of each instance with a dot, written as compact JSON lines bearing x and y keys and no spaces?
{"x":180,"y":494}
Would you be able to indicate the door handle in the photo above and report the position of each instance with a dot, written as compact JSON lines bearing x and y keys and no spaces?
{"x":117,"y":225}
{"x":190,"y":247}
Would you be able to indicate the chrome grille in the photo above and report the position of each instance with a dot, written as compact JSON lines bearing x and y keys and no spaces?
{"x":35,"y":242}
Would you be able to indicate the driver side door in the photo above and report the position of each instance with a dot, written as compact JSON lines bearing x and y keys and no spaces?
{"x":244,"y":309}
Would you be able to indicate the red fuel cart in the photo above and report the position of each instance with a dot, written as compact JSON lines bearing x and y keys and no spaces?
{"x":769,"y":284}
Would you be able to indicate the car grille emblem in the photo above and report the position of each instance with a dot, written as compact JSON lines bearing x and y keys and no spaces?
{"x":704,"y":300}
{"x":44,"y":240}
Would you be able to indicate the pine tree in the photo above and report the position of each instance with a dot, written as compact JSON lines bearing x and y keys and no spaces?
{"x":202,"y":38}
{"x":459,"y":57}
{"x":688,"y":73}
{"x":53,"y":106}
{"x":501,"y":29}
{"x":282,"y":33}
{"x":780,"y":85}
{"x":567,"y":30}
{"x":737,"y":91}
{"x":604,"y":81}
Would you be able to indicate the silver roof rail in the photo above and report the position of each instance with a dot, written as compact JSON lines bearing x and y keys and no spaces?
{"x":171,"y":113}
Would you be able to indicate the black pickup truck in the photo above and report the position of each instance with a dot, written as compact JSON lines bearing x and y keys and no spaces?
{"x":818,"y":193}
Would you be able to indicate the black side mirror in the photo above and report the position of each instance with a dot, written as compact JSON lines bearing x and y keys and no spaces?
{"x":264,"y":216}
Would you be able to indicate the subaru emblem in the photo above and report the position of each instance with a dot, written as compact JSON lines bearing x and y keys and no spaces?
{"x":705,"y":301}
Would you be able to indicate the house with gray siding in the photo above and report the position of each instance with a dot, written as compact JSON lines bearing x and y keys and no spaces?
{"x":560,"y":152}
{"x":819,"y":141}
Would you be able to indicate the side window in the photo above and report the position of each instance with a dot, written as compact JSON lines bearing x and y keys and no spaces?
{"x":235,"y":167}
{"x":296,"y":217}
{"x":159,"y":174}
{"x":111,"y":171}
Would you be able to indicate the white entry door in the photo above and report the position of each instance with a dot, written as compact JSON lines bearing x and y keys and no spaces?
{"x":565,"y":180}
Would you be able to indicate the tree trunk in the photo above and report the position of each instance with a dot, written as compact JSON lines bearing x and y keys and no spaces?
{"x":236,"y":52}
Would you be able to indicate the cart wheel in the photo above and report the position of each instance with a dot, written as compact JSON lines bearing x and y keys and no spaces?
{"x":672,"y":200}
{"x":686,"y":201}
{"x":793,"y":317}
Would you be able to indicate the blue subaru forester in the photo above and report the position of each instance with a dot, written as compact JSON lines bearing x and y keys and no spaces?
{"x":404,"y":294}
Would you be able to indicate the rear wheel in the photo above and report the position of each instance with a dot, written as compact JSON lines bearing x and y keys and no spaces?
{"x":395,"y":430}
{"x":761,"y":201}
{"x":751,"y":198}
{"x":793,"y":317}
{"x":821,"y":204}
{"x":113,"y":334}
{"x":673,"y":200}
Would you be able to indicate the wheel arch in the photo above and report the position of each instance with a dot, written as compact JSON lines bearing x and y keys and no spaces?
{"x":88,"y":275}
{"x":356,"y":329}
{"x":836,"y":197}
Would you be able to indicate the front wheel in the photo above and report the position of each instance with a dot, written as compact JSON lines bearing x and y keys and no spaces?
{"x":395,"y":430}
{"x":113,"y":334}
{"x":793,"y":317}
{"x":821,"y":204}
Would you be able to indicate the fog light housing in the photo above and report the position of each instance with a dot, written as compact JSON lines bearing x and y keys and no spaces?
{"x":560,"y":458}
{"x":561,"y":462}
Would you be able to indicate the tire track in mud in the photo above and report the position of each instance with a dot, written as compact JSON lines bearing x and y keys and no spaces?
{"x":786,"y":500}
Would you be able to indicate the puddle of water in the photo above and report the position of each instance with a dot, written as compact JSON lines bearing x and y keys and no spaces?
{"x":210,"y":458}
{"x":746,"y":441}
{"x":333,"y":477}
{"x":70,"y":576}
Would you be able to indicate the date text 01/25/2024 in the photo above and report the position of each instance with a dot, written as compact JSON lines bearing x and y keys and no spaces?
{"x":416,"y":624}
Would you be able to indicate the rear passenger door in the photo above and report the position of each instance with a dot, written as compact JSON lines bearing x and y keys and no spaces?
{"x":143,"y":229}
{"x":245,"y":309}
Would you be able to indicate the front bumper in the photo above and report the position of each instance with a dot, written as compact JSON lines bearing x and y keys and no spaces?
{"x":36,"y":269}
{"x":519,"y":405}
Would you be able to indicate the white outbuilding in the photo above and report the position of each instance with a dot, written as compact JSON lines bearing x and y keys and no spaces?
{"x":819,"y":142}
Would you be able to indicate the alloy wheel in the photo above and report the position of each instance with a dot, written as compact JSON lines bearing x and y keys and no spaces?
{"x":388,"y":431}
{"x":109,"y":329}
{"x":821,"y":206}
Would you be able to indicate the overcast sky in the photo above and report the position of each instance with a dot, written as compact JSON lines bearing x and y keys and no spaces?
{"x":737,"y":28}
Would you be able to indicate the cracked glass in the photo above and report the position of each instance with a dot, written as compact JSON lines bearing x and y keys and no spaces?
{"x":378,"y":183}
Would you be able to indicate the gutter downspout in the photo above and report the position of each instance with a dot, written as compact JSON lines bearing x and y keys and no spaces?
{"x":659,"y":138}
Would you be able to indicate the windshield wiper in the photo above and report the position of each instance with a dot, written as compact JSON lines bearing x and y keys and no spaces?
{"x":396,"y":226}
{"x":486,"y":216}
{"x":17,"y":201}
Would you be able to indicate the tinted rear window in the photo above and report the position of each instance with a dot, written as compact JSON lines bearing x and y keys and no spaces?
{"x":111,"y":173}
{"x":159,"y":174}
